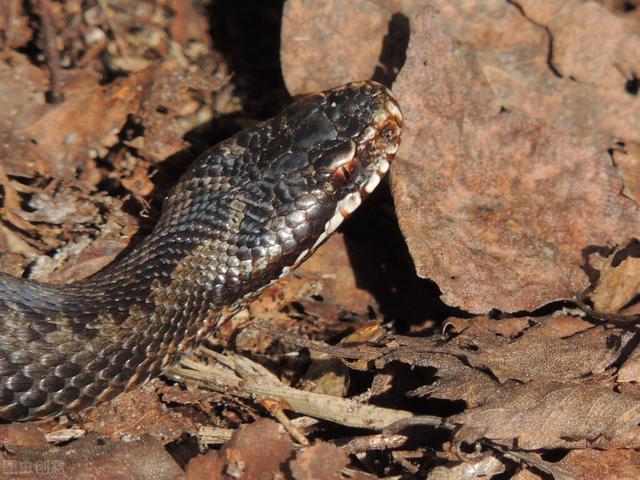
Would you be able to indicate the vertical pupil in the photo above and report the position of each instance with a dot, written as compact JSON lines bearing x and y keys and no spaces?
{"x":346,"y":173}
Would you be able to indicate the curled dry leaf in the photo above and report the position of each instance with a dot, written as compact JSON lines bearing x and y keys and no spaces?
{"x":456,"y":381}
{"x":497,"y":207}
{"x":619,"y":280}
{"x":540,"y":415}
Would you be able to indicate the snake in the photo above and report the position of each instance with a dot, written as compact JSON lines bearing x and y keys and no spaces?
{"x":245,"y":213}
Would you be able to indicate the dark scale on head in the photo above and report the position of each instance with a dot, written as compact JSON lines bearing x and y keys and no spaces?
{"x":247,"y":211}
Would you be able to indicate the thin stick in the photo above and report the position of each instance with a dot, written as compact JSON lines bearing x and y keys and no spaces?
{"x":50,"y":51}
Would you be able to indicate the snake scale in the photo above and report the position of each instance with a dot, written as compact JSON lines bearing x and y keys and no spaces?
{"x":245,"y":213}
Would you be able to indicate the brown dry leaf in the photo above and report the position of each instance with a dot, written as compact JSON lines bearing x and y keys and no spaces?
{"x":56,"y":140}
{"x":630,"y":369}
{"x":456,"y":381}
{"x":136,"y":413}
{"x":21,"y":95}
{"x":328,"y":43}
{"x":14,"y":435}
{"x":539,"y":357}
{"x":320,"y":461}
{"x":592,"y":464}
{"x":619,"y":280}
{"x":570,"y":63}
{"x":242,"y":458}
{"x":561,"y":325}
{"x":541,"y":415}
{"x":496,"y":207}
{"x":94,"y":458}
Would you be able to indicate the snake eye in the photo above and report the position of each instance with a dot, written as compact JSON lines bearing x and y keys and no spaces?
{"x":344,"y":173}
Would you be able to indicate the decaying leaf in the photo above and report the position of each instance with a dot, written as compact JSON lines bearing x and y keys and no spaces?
{"x":540,"y":415}
{"x":240,"y":458}
{"x":93,"y":457}
{"x":539,"y":357}
{"x":590,"y":464}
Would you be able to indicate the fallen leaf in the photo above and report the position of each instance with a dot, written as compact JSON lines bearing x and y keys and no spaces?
{"x":539,"y":357}
{"x":95,"y":458}
{"x":539,"y":415}
{"x":593,"y":464}
{"x":240,"y":457}
{"x":496,"y":207}
{"x":320,"y":461}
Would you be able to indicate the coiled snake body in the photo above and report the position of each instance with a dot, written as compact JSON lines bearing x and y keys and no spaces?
{"x":246,"y":212}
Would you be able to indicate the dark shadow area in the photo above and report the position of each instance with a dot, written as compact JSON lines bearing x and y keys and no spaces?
{"x":247,"y":34}
{"x":383,"y":266}
{"x":394,"y":50}
{"x":183,"y":449}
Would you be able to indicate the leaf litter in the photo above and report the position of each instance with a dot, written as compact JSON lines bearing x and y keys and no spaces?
{"x":516,"y":191}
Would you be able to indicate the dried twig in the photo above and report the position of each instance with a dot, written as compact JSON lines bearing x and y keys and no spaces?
{"x":356,"y":352}
{"x":239,"y":376}
{"x":379,"y":441}
{"x":214,"y":435}
{"x":277,"y":411}
{"x":50,"y":51}
{"x":65,"y":435}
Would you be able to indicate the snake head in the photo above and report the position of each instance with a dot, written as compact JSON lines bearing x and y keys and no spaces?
{"x":351,"y":134}
{"x":368,"y":121}
{"x":276,"y":191}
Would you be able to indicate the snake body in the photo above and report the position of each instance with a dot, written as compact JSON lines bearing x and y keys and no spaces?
{"x":246,"y":212}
